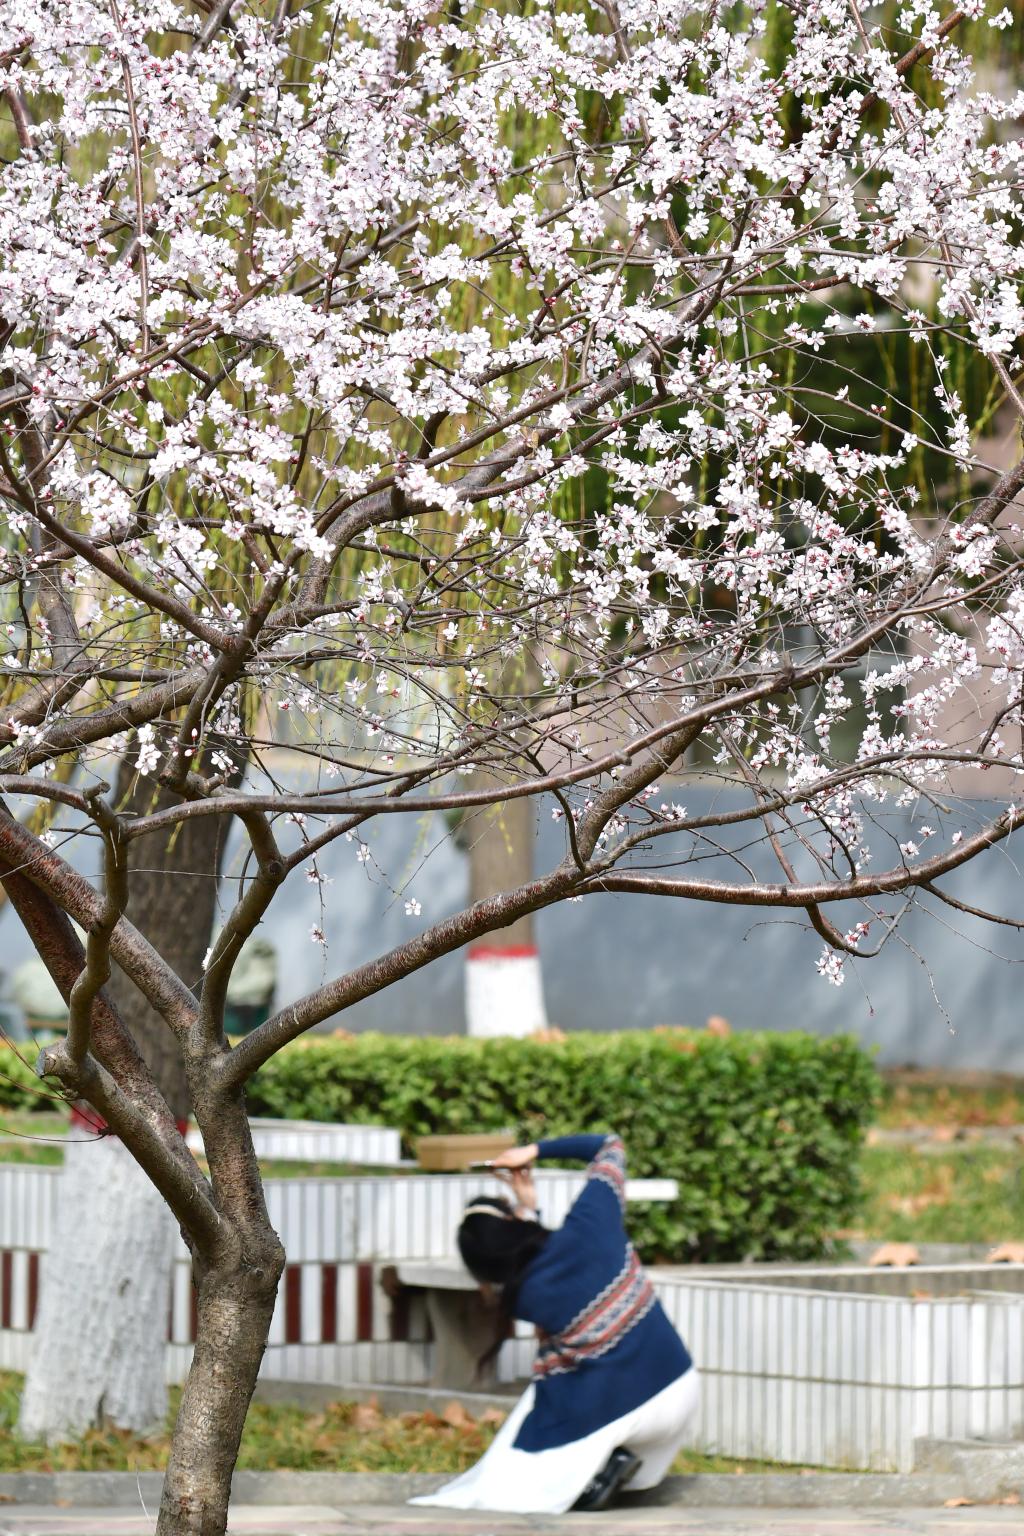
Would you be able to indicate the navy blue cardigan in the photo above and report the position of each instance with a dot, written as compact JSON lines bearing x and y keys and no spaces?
{"x":606,"y":1345}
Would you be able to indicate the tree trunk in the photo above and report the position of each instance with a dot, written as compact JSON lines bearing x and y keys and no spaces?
{"x":101,"y":1331}
{"x":173,"y":882}
{"x":504,"y":987}
{"x":101,"y":1337}
{"x":236,"y":1304}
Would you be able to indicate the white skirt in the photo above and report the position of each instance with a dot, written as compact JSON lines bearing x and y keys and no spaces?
{"x":549,"y":1482}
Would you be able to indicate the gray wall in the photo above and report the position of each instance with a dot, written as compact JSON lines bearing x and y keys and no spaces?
{"x":944,"y":994}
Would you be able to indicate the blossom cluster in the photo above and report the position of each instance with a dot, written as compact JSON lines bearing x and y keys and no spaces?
{"x":515,"y":388}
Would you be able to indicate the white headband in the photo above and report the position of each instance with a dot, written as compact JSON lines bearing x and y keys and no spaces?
{"x":482,"y":1208}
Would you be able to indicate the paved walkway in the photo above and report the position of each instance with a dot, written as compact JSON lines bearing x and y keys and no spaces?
{"x":380,"y":1521}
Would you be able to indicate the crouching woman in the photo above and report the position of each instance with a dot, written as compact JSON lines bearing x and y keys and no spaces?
{"x":614,"y":1389}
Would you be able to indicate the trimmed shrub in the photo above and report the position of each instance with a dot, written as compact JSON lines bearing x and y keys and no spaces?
{"x":20,"y":1089}
{"x":762,"y":1131}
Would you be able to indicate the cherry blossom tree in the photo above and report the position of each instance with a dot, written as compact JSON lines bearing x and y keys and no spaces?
{"x":355,"y":349}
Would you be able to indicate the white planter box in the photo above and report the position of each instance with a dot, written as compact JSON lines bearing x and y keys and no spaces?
{"x":847,"y":1379}
{"x":309,"y":1141}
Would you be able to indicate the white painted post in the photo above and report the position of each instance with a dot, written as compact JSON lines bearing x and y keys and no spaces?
{"x":504,"y":991}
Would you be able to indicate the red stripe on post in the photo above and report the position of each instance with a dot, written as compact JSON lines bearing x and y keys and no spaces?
{"x":329,"y":1304}
{"x":499,"y":952}
{"x":400,"y":1316}
{"x":364,"y":1303}
{"x":33,"y":1288}
{"x":292,"y":1304}
{"x":6,"y":1288}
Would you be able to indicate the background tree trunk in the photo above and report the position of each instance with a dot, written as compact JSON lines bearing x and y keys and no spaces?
{"x":101,"y":1333}
{"x":504,"y":986}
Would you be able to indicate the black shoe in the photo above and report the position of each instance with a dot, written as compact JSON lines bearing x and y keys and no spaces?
{"x":613,"y":1476}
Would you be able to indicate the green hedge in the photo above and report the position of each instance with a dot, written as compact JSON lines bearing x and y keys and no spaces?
{"x":762,"y":1131}
{"x":19,"y":1087}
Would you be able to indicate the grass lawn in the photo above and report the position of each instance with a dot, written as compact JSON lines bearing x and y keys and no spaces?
{"x":960,"y":1195}
{"x":343,"y":1437}
{"x":912,"y":1098}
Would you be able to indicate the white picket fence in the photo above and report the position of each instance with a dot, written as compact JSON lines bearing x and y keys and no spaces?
{"x":333,"y":1321}
{"x":790,"y":1373}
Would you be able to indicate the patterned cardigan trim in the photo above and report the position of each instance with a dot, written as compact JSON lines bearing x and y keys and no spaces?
{"x":610,"y":1167}
{"x":601,"y":1325}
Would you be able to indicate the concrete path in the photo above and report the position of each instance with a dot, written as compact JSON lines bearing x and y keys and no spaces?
{"x":253,"y":1520}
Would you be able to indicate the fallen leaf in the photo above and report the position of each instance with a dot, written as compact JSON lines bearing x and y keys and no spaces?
{"x":1007,"y":1253}
{"x":493,"y":1416}
{"x":366,"y":1416}
{"x":958,"y":1503}
{"x":455,"y":1415}
{"x":894,"y":1256}
{"x":1011,"y":1498}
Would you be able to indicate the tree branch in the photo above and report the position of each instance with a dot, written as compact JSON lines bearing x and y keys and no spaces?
{"x":764,"y":894}
{"x":30,"y":859}
{"x":440,"y":939}
{"x":117,"y":1083}
{"x":96,"y":971}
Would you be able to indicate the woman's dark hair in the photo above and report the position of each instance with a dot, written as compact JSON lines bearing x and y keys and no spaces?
{"x":497,"y":1250}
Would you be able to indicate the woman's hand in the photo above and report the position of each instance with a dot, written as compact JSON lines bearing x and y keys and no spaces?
{"x":516,"y":1157}
{"x":520,"y":1182}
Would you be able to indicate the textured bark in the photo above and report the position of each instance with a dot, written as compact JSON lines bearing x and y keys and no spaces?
{"x":237,"y":1278}
{"x":173,"y":884}
{"x":108,"y":1272}
{"x":236,"y":1304}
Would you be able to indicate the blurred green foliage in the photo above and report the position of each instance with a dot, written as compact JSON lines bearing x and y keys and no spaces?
{"x":762,"y":1131}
